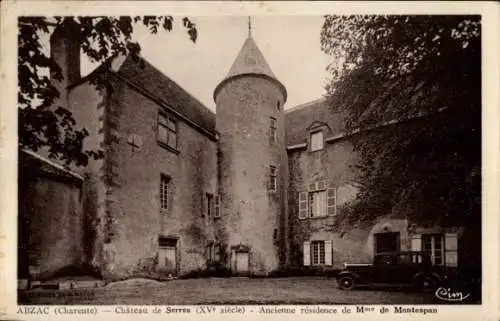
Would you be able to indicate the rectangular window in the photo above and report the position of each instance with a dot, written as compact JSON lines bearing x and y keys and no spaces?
{"x":273,"y":183}
{"x":433,"y":245}
{"x":167,"y":131}
{"x":317,"y":141}
{"x":164,"y":192}
{"x":317,"y":252}
{"x":317,"y":204}
{"x":318,"y":200}
{"x":217,"y":206}
{"x":273,"y":129}
{"x":210,"y":204}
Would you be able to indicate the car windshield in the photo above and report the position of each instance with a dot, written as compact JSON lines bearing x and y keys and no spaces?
{"x":401,"y":258}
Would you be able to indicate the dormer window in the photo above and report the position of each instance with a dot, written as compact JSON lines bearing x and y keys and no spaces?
{"x":317,"y":141}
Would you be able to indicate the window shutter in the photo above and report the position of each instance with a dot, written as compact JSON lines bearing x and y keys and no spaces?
{"x":451,"y":249}
{"x":202,"y":204}
{"x":302,"y":205}
{"x":416,"y":242}
{"x":212,"y":205}
{"x":217,"y":206}
{"x":328,"y":252}
{"x":307,"y":253}
{"x":332,"y":201}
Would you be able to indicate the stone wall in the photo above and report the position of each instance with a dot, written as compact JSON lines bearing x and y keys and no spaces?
{"x":252,"y":214}
{"x":89,"y":108}
{"x":332,"y":165}
{"x":133,"y":196}
{"x":51,"y":225}
{"x":335,"y":165}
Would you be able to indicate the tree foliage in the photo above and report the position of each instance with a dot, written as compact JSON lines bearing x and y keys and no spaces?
{"x":412,"y":86}
{"x":44,"y":124}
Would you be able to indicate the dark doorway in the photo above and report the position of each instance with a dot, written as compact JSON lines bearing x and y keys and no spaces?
{"x":387,"y":242}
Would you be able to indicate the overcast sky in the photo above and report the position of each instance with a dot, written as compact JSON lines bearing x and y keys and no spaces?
{"x":290,"y":45}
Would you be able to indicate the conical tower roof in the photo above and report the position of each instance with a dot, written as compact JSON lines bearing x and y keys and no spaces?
{"x":250,"y":61}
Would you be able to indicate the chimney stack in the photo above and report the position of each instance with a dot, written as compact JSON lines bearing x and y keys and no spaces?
{"x":65,"y":50}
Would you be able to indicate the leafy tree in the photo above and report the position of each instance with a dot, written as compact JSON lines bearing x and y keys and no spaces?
{"x":42,"y":124}
{"x":423,"y":73}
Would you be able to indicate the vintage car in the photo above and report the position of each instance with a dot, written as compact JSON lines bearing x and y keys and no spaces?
{"x":395,"y":269}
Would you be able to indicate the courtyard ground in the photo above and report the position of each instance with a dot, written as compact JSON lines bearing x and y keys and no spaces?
{"x":304,"y":290}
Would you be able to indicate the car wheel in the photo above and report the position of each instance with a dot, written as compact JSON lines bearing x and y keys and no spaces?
{"x":426,"y":284}
{"x":346,"y":283}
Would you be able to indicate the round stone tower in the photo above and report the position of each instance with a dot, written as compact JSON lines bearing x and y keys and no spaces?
{"x":253,"y":164}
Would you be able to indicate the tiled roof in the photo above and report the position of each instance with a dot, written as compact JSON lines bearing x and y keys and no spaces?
{"x":250,"y":60}
{"x":142,"y":74}
{"x":299,"y":119}
{"x":33,"y":161}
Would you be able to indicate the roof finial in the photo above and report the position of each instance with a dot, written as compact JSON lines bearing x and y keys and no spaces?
{"x":249,"y":27}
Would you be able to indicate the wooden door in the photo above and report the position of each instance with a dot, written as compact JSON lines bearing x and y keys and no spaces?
{"x":241,"y":263}
{"x":167,"y":259}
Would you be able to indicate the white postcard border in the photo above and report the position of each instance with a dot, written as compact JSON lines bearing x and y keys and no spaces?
{"x":489,"y":310}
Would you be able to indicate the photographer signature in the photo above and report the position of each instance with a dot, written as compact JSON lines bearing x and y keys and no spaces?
{"x":447,"y":295}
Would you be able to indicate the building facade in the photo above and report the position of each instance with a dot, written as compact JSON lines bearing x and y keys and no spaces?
{"x":323,"y":183}
{"x":251,"y":189}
